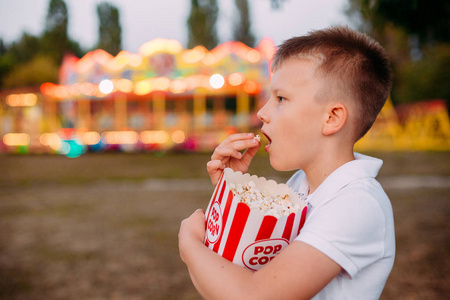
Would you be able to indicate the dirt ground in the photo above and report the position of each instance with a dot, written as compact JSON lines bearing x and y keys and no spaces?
{"x":104,"y":226}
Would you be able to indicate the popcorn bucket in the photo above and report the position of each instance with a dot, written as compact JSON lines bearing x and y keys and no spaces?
{"x":250,"y":237}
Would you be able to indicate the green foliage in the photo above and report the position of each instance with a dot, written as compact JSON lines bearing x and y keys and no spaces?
{"x":38,"y":70}
{"x":242,"y":31}
{"x":416,"y":36}
{"x":428,"y":19}
{"x":33,"y":60}
{"x":202,"y":24}
{"x":6,"y":65}
{"x":24,"y":49}
{"x":57,"y":18}
{"x":427,"y":78}
{"x":109,"y":28}
{"x":55,"y":41}
{"x":18,"y":53}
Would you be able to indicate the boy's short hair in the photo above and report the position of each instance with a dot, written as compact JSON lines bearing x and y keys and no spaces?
{"x":355,"y":66}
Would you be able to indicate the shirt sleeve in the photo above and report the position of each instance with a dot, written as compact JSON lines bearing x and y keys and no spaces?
{"x":350,"y":229}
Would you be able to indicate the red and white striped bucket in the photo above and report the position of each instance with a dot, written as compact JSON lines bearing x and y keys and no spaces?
{"x":248,"y":237}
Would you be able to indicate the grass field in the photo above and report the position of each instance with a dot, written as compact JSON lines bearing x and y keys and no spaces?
{"x":104,"y":226}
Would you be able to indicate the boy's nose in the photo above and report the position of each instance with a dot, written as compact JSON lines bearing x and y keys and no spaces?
{"x":262,"y":114}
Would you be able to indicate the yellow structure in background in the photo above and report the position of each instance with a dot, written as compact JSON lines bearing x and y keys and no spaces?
{"x":413,"y":127}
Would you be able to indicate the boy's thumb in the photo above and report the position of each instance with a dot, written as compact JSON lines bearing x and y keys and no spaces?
{"x":249,"y":154}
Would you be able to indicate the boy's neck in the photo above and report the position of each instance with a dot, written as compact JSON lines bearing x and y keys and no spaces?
{"x":319,"y":170}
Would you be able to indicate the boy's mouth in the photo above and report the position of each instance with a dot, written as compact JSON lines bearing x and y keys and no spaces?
{"x":268,"y":139}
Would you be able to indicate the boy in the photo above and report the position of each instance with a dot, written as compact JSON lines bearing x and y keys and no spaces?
{"x":326,"y":91}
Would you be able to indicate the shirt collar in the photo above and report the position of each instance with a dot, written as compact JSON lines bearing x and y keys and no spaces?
{"x":362,"y":167}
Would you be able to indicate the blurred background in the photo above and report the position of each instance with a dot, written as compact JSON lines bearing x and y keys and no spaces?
{"x":110,"y":110}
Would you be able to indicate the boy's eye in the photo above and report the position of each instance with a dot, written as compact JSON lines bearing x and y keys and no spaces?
{"x":280,"y":99}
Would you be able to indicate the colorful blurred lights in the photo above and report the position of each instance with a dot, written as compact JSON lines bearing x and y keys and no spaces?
{"x":124,"y":85}
{"x":217,"y":81}
{"x":51,"y":139}
{"x":178,"y":86}
{"x":154,"y":137}
{"x":251,"y":87}
{"x":91,"y":138}
{"x":253,"y":56}
{"x":106,"y":86}
{"x":87,"y":88}
{"x":160,"y":45}
{"x":16,"y":139}
{"x":178,"y":136}
{"x":29,"y":99}
{"x":143,"y":87}
{"x":71,"y":148}
{"x":120,"y":137}
{"x":135,"y":60}
{"x":236,"y":79}
{"x":161,"y":83}
{"x":65,"y":148}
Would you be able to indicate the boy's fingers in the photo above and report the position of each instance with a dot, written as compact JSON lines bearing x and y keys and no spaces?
{"x":214,"y":165}
{"x":225,"y":152}
{"x":199,"y":211}
{"x":232,"y":149}
{"x":215,"y":168}
{"x":238,"y":136}
{"x":250,"y":153}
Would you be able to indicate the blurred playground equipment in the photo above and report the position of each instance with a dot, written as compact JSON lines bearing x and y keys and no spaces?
{"x":166,"y":97}
{"x":421,"y":126}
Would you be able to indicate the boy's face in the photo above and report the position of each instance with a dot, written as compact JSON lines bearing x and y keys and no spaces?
{"x":292,"y":118}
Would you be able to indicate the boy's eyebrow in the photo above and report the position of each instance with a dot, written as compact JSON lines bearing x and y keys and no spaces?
{"x":277,"y":90}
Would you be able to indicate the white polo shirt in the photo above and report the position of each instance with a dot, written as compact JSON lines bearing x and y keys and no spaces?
{"x":350,"y":220}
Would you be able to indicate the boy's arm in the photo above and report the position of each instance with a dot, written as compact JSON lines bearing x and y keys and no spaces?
{"x":298,"y":272}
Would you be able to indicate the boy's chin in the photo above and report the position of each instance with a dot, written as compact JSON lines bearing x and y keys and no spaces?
{"x":279,"y":166}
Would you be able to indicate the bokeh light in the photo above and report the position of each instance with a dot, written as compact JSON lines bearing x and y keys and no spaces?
{"x":106,"y":86}
{"x":154,"y":137}
{"x":178,"y":136}
{"x":91,"y":138}
{"x":120,"y":137}
{"x":16,"y":139}
{"x":217,"y":81}
{"x":28,"y":99}
{"x":236,"y":79}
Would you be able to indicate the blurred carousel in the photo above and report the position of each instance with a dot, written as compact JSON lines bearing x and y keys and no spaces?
{"x":168,"y":98}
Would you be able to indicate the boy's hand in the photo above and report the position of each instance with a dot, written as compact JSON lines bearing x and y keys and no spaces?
{"x":192,"y":229}
{"x":227,"y":155}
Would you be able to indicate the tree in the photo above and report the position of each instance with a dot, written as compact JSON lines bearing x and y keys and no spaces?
{"x":242,"y":31}
{"x":2,"y":47}
{"x":416,"y":36}
{"x":55,"y":40}
{"x":33,"y":60}
{"x":429,"y":20}
{"x":17,"y":53}
{"x":427,"y":78}
{"x":276,"y":3}
{"x":24,"y":49}
{"x":32,"y":73}
{"x":202,"y":24}
{"x":109,"y":29}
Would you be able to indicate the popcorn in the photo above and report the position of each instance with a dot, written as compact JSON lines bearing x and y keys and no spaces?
{"x":250,"y":219}
{"x":258,"y":138}
{"x":273,"y":205}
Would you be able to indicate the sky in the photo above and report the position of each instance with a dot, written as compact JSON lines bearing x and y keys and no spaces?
{"x":144,"y":20}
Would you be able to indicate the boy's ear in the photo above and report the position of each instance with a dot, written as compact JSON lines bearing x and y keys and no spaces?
{"x":336,"y":118}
